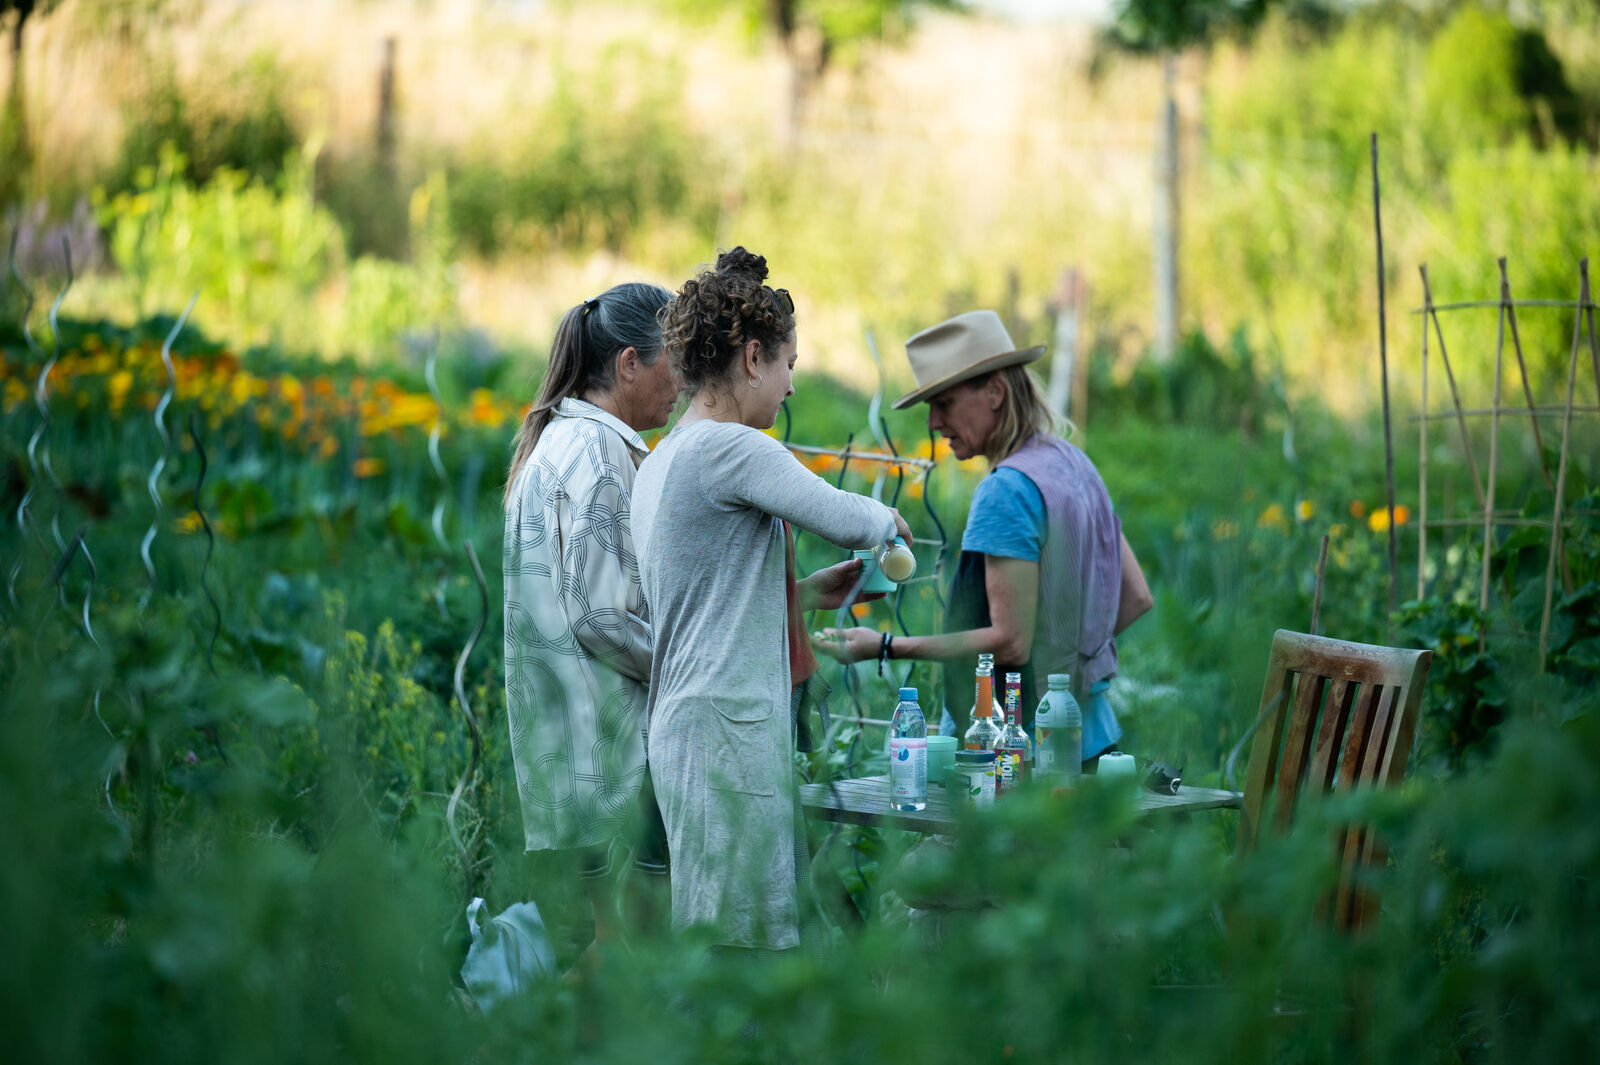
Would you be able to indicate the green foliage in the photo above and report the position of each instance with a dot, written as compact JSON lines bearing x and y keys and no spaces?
{"x":237,"y":121}
{"x":603,"y":161}
{"x":1469,"y":84}
{"x":250,"y":248}
{"x":256,"y":868}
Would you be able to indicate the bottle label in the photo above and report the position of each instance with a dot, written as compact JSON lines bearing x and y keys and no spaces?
{"x":908,"y":768}
{"x":1044,"y":754}
{"x":1008,"y":769}
{"x":977,"y":787}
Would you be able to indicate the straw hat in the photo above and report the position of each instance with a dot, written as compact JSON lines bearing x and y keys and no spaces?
{"x":967,"y":346}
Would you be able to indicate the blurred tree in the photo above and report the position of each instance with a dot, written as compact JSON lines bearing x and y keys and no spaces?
{"x":813,"y":32}
{"x":1172,"y":25}
{"x":14,"y":150}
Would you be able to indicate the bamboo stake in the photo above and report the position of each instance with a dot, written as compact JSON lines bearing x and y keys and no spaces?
{"x":1494,"y":459}
{"x":1561,"y":468}
{"x":1487,"y":304}
{"x":1485,"y":412}
{"x":1383,"y":365}
{"x":1522,"y":367}
{"x":1455,"y":396}
{"x":1316,"y":595}
{"x":1422,"y":476}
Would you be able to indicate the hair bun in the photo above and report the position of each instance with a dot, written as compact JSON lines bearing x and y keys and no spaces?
{"x":740,"y":262}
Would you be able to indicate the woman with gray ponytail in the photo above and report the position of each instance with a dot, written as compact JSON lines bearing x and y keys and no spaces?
{"x":578,"y":641}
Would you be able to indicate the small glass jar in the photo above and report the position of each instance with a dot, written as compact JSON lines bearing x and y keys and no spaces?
{"x":971,"y":780}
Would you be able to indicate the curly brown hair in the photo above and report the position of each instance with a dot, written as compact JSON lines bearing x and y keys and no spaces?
{"x":717,"y":312}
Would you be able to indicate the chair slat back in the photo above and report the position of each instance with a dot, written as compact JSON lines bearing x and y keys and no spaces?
{"x":1335,"y":716}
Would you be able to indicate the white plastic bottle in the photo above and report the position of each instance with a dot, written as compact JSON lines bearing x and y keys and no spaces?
{"x":1058,"y":732}
{"x":908,"y":755}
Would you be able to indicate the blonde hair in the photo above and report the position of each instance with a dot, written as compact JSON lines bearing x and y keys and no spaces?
{"x":1023,"y":414}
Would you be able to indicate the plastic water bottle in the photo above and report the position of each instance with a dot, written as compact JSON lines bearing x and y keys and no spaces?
{"x":1058,"y":732}
{"x":908,"y":755}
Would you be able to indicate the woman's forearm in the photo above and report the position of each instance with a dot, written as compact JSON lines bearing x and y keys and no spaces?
{"x":966,"y":643}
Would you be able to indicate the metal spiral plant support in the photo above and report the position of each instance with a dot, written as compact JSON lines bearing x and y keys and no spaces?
{"x":472,"y":721}
{"x":41,"y":396}
{"x":24,"y":522}
{"x":430,"y":372}
{"x":153,"y":482}
{"x":211,"y":544}
{"x":73,"y":548}
{"x":437,"y":522}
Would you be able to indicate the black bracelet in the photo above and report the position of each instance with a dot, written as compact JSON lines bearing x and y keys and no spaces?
{"x":883,"y":650}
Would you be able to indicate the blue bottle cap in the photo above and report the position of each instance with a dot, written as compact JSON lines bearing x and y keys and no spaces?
{"x":908,"y":695}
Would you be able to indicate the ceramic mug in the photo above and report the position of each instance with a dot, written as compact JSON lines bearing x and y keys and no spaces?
{"x":876,"y":581}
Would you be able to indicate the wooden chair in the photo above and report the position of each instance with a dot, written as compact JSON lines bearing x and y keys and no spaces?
{"x":1335,"y":716}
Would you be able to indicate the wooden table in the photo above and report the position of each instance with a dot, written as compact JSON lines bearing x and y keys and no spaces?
{"x":865,"y":801}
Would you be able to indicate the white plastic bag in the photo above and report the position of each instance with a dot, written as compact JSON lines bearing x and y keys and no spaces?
{"x":508,"y":955}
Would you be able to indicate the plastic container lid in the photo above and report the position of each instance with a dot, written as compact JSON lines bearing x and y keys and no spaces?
{"x":974,"y":757}
{"x":1059,"y":680}
{"x":908,"y":695}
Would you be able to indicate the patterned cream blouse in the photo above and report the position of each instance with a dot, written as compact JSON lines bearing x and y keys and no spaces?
{"x":577,"y":635}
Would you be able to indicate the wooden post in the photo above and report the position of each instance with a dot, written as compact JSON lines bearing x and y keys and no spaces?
{"x":1064,"y":357}
{"x":1561,"y":468}
{"x":384,"y":139}
{"x":1165,"y":228}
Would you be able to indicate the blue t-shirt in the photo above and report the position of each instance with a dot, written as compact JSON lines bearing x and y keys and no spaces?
{"x":1007,"y":517}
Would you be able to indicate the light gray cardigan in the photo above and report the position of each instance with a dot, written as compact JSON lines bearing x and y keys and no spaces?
{"x":707,"y":505}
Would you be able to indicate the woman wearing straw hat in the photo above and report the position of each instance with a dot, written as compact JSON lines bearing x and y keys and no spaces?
{"x":1045,"y":578}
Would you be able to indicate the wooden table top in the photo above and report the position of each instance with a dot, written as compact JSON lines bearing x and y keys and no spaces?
{"x":865,"y":801}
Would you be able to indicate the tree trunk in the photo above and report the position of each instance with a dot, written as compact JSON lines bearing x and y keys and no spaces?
{"x":15,"y":153}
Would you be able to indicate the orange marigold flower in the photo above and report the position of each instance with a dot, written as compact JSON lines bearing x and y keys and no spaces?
{"x":368,"y":466}
{"x":1358,"y":509}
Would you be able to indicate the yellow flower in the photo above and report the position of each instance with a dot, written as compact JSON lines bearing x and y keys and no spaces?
{"x":1379,"y":520}
{"x":1223,"y":529}
{"x":1304,"y":510}
{"x":118,"y":386}
{"x":188,"y":523}
{"x":1273,"y":518}
{"x":16,"y":393}
{"x":368,"y":467}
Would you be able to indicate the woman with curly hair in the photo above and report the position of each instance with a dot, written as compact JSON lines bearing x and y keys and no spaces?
{"x":709,"y":512}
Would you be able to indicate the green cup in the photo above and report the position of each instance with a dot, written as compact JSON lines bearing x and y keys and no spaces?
{"x":941,"y":756}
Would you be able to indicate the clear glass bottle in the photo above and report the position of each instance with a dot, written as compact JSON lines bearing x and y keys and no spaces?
{"x":908,"y":755}
{"x":895,"y":560}
{"x":983,"y":733}
{"x":1015,"y":750}
{"x":1058,"y":732}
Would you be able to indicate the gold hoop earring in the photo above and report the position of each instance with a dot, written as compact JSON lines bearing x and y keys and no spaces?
{"x":755,"y":381}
